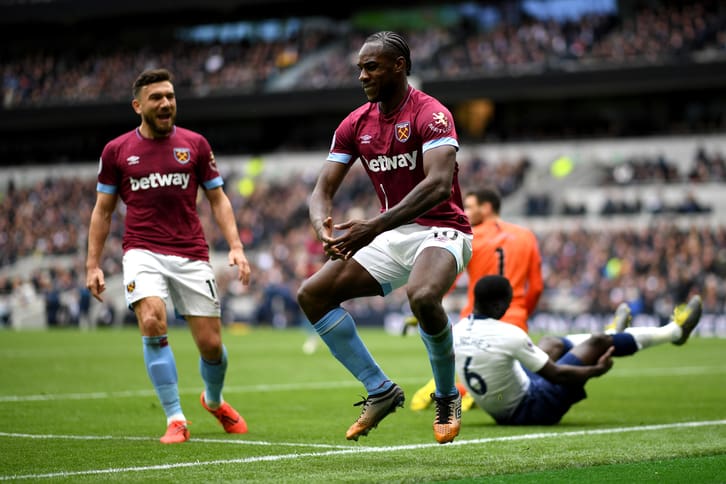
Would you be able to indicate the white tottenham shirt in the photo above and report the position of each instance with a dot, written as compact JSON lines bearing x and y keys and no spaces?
{"x":489,"y":359}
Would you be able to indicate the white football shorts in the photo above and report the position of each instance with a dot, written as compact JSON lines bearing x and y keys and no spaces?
{"x":389,"y":258}
{"x":190,"y":283}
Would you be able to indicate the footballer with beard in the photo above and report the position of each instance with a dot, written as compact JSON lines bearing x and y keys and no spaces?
{"x":156,"y":170}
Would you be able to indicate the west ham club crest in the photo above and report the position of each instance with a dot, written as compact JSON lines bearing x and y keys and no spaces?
{"x":403,"y":131}
{"x":182,"y":155}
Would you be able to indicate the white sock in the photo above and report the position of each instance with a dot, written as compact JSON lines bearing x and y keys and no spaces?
{"x":655,"y":335}
{"x":578,"y":338}
{"x":176,"y":417}
{"x":213,"y":405}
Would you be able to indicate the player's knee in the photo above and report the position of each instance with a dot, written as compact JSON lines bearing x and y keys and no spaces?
{"x":304,"y":296}
{"x":152,"y":325}
{"x":423,"y":299}
{"x":601,"y":341}
{"x":310,"y":301}
{"x":552,"y":345}
{"x":210,"y":346}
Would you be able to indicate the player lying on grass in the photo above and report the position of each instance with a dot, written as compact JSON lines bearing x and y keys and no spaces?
{"x":519,"y":383}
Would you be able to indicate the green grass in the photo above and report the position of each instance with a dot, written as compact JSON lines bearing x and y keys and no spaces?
{"x":78,"y":407}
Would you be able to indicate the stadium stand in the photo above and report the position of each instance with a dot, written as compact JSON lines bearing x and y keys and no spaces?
{"x":212,"y":61}
{"x":257,"y":85}
{"x":604,"y":132}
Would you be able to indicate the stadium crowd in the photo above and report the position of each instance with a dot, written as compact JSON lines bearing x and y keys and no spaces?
{"x":706,"y":167}
{"x":585,"y":270}
{"x":659,"y":36}
{"x":103,"y":70}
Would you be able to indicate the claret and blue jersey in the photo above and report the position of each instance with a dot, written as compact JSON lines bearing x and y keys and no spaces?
{"x":158,"y":180}
{"x":391,"y":147}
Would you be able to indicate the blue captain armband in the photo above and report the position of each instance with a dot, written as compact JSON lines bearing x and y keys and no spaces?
{"x":339,"y":157}
{"x":213,"y":183}
{"x":103,"y":188}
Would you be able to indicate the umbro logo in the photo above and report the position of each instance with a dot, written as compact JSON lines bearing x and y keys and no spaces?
{"x":133,"y":160}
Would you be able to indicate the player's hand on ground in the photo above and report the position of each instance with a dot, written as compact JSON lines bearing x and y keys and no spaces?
{"x":95,"y":282}
{"x":237,"y":258}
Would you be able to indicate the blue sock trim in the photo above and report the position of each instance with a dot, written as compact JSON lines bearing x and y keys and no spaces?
{"x":161,"y":368}
{"x":440,"y":348}
{"x":330,"y":321}
{"x":161,"y":341}
{"x":213,"y":373}
{"x":570,"y":359}
{"x":337,"y":329}
{"x":382,"y":388}
{"x":624,"y":344}
{"x":438,"y":337}
{"x":568,"y":344}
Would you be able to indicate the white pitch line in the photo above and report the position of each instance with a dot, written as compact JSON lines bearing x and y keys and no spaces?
{"x":44,"y":397}
{"x":358,"y":450}
{"x":153,"y":439}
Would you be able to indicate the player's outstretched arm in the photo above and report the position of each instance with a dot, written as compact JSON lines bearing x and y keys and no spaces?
{"x":321,"y":204}
{"x":577,"y":375}
{"x":98,"y":229}
{"x":224,"y":216}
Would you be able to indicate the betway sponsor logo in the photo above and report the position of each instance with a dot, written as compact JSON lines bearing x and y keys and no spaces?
{"x":388,"y":163}
{"x":157,"y":180}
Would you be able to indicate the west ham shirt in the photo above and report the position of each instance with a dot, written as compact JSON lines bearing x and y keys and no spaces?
{"x":158,"y":179}
{"x":391,"y":147}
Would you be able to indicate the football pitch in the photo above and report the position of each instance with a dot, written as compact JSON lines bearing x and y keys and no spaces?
{"x":78,"y":407}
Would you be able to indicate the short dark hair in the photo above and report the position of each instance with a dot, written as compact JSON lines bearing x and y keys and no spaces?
{"x":489,"y":193}
{"x":151,"y":76}
{"x":492,"y":296}
{"x":393,"y":44}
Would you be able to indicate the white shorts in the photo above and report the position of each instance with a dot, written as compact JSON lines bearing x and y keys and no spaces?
{"x":389,"y":258}
{"x":190,"y":283}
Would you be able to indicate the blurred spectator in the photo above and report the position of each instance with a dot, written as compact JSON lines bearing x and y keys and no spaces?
{"x":584,"y":270}
{"x":708,"y":168}
{"x":539,"y":204}
{"x":691,"y":205}
{"x":650,"y":269}
{"x":221,"y":62}
{"x":6,"y":289}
